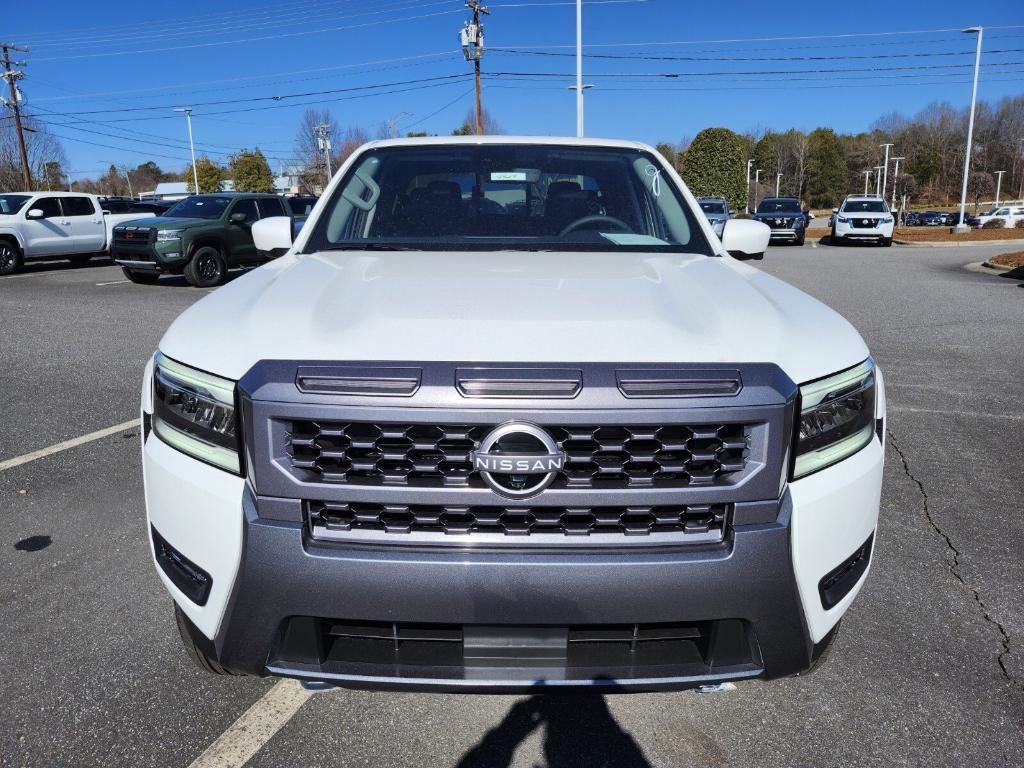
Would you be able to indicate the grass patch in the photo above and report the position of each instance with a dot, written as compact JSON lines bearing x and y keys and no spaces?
{"x":943,"y":235}
{"x":1012,"y":260}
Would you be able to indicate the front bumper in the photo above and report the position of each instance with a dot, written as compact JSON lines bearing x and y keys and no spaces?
{"x":876,"y":232}
{"x":148,"y":256}
{"x":266,"y":570}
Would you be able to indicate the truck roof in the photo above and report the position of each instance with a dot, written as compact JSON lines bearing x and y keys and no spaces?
{"x":571,"y":141}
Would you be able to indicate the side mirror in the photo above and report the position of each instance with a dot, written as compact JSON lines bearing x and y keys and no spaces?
{"x":835,"y":210}
{"x":35,"y":213}
{"x":272,"y":234}
{"x":237,"y":218}
{"x":745,"y":238}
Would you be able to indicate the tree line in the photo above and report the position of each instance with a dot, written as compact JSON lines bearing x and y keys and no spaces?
{"x":822,"y":167}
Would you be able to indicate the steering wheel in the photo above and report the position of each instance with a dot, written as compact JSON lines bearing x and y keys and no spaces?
{"x":574,"y":225}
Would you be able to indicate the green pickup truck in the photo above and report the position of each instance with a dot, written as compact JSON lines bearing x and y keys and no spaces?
{"x":201,"y":237}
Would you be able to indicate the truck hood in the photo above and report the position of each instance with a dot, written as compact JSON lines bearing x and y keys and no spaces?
{"x":511,"y":308}
{"x":165,"y":222}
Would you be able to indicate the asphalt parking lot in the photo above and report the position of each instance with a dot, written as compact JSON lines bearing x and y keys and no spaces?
{"x":928,"y":668}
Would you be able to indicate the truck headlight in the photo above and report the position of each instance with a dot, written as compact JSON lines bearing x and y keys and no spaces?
{"x":837,"y":418}
{"x":194,"y":412}
{"x":842,"y":220}
{"x":164,"y":235}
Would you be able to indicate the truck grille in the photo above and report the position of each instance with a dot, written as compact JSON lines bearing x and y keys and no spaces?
{"x":429,"y":455}
{"x":334,"y":520}
{"x":864,"y":223}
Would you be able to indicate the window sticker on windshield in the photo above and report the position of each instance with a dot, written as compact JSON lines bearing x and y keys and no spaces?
{"x":655,"y":175}
{"x":508,"y":176}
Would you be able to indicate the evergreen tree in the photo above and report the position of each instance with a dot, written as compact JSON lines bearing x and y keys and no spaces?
{"x":211,"y":176}
{"x":251,"y":172}
{"x":826,"y":169}
{"x":714,"y":165}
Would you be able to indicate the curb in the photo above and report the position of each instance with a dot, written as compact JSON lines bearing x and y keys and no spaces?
{"x":996,"y":268}
{"x":966,"y":244}
{"x":986,"y":268}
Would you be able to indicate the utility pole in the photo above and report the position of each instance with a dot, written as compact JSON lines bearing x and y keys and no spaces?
{"x":999,"y":184}
{"x":11,"y":76}
{"x":472,"y":38}
{"x":393,"y":124}
{"x":895,"y":178}
{"x":867,"y":178}
{"x":778,"y":182}
{"x":323,"y":142}
{"x":878,"y":180}
{"x":960,"y":226}
{"x":885,"y":169}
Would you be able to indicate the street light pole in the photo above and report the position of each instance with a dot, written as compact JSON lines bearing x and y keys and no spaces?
{"x":885,"y":169}
{"x":867,"y":179}
{"x":960,"y":226}
{"x":757,"y":179}
{"x":895,"y":178}
{"x":191,"y":145}
{"x":878,"y":180}
{"x":778,"y":182}
{"x":750,"y":164}
{"x":999,"y":184}
{"x":579,"y":68}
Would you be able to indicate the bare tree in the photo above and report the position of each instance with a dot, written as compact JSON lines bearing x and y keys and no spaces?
{"x":46,"y":157}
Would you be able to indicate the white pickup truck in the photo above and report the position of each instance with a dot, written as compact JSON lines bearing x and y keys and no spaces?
{"x":506,"y":416}
{"x":51,"y":225}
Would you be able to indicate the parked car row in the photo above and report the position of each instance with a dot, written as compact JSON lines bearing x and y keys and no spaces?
{"x":200,"y":237}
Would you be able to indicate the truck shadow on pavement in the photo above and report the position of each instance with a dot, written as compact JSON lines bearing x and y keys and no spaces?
{"x":580,"y":730}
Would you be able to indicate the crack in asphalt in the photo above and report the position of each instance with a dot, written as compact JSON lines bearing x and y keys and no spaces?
{"x":954,"y":567}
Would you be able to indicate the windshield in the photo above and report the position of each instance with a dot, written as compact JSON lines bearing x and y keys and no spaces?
{"x":870,"y":206}
{"x":708,"y":207}
{"x":12,"y":203}
{"x":779,"y":206}
{"x":200,"y":207}
{"x":507,"y":197}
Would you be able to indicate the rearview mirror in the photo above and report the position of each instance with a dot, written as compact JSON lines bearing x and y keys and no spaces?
{"x":273,"y":234}
{"x":35,"y":213}
{"x":745,"y":238}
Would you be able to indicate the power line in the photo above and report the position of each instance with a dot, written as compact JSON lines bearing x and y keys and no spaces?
{"x":648,"y":57}
{"x":249,"y":39}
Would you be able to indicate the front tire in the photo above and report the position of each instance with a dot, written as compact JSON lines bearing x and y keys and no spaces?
{"x":206,"y":269}
{"x":886,"y":242}
{"x":189,"y":635}
{"x":10,"y":258}
{"x":834,"y":239}
{"x":141,"y":278}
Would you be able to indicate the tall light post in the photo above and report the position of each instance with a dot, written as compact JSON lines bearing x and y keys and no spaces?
{"x":323,"y":142}
{"x":867,"y":179}
{"x":579,"y":68}
{"x":778,"y":182}
{"x":999,"y":184}
{"x":960,"y":226}
{"x":191,"y":145}
{"x":750,"y":164}
{"x":878,"y":180}
{"x":1020,"y":145}
{"x":757,"y":180}
{"x":885,"y":169}
{"x":895,"y":178}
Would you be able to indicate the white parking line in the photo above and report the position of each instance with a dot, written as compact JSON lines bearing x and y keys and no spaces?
{"x":255,"y":727}
{"x":115,"y":282}
{"x":17,"y":461}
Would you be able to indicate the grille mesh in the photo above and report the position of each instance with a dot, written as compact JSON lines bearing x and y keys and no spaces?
{"x":706,"y":521}
{"x":669,"y":456}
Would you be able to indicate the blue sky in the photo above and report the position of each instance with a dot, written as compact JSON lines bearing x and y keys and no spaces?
{"x":743,"y":65}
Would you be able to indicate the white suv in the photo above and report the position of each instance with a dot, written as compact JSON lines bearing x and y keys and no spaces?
{"x":508,"y":414}
{"x":1008,"y":215}
{"x":863,"y":218}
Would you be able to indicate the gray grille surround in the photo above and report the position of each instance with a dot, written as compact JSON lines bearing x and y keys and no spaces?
{"x":764,"y":408}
